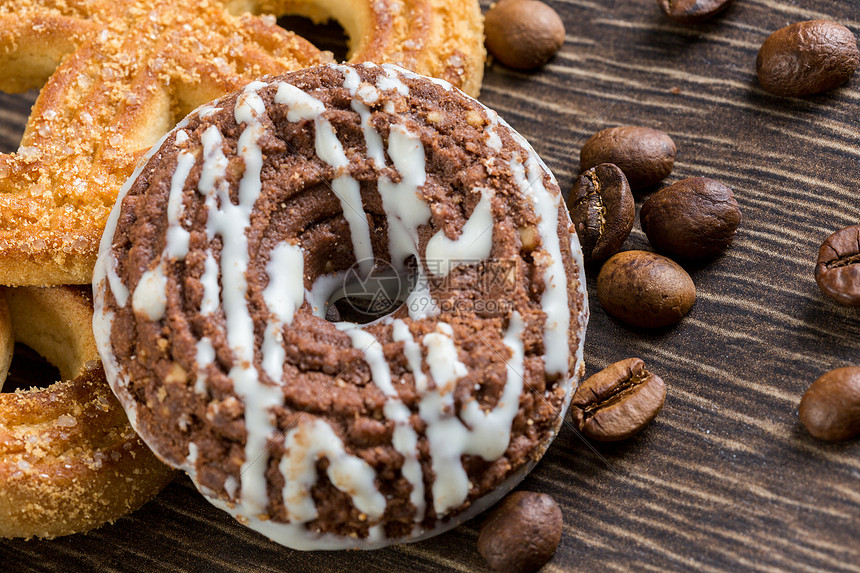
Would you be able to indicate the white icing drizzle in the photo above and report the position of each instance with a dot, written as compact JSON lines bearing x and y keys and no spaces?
{"x":205,"y":355}
{"x":412,"y":350}
{"x":321,"y":291}
{"x":191,"y":460}
{"x":554,"y":301}
{"x":150,"y":294}
{"x":176,"y":246}
{"x":329,"y":149}
{"x":286,"y":290}
{"x":348,"y":191}
{"x":230,"y":221}
{"x":117,"y":287}
{"x":391,"y":81}
{"x":211,"y":288}
{"x":406,"y":210}
{"x":405,"y":439}
{"x":494,"y":142}
{"x":485,"y":433}
{"x":445,"y":433}
{"x":207,"y":111}
{"x":214,"y":162}
{"x":284,"y":294}
{"x":231,"y":486}
{"x":369,"y":95}
{"x":371,"y":136}
{"x":491,"y":430}
{"x":420,"y":303}
{"x":306,"y":444}
{"x":301,"y":105}
{"x":105,"y":268}
{"x":474,"y":243}
{"x":351,"y":79}
{"x":212,"y":185}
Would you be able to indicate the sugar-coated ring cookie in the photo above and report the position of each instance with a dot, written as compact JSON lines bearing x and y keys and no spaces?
{"x":69,"y":461}
{"x":118,"y":74}
{"x":224,"y":247}
{"x":439,"y":38}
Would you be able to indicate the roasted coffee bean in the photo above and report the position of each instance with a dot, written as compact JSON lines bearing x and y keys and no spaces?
{"x":830,"y":409}
{"x":838,"y":270}
{"x":618,"y":401}
{"x":602,"y":210}
{"x":807,"y":58}
{"x":645,"y":155}
{"x":692,"y":11}
{"x":523,"y":34}
{"x":694,"y":218}
{"x":522,"y":532}
{"x":645,"y":289}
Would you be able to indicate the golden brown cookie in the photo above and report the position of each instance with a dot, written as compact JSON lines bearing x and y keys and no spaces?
{"x":69,"y":461}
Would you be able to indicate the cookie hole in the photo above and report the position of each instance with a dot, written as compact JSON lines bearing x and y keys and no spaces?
{"x":365,"y":299}
{"x":29,"y":369}
{"x":13,"y":118}
{"x":329,"y":36}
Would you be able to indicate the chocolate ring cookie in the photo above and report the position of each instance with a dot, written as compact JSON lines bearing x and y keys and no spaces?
{"x":220,"y":255}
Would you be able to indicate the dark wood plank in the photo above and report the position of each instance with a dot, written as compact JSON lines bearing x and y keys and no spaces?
{"x":725,"y":479}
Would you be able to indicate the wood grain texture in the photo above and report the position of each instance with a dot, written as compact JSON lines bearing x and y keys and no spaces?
{"x":725,"y":479}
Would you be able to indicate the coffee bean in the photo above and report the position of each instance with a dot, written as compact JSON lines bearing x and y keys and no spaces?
{"x":830,"y":409}
{"x":838,"y":270}
{"x":522,"y":532}
{"x":692,"y":11}
{"x":618,"y":401}
{"x":807,"y":58}
{"x":523,"y":34}
{"x":645,"y":289}
{"x":694,"y":218}
{"x":646,"y":156}
{"x":602,"y":210}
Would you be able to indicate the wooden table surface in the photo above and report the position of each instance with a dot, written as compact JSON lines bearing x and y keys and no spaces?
{"x":725,"y":479}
